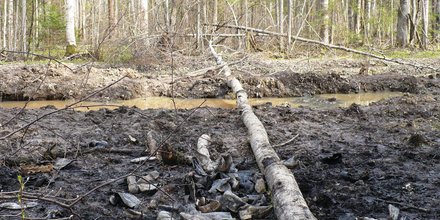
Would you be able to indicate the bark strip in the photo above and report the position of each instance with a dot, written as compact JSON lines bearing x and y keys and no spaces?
{"x":286,"y":196}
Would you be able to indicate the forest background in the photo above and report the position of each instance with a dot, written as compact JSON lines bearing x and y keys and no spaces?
{"x":121,"y":31}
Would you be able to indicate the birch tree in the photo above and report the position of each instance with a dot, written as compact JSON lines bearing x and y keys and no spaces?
{"x":23,"y":24}
{"x":425,"y":22}
{"x":437,"y":21}
{"x":402,"y":23}
{"x":70,"y":27}
{"x":10,"y":24}
{"x":325,"y":19}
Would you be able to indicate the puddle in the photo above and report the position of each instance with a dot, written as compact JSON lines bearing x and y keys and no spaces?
{"x":319,"y":101}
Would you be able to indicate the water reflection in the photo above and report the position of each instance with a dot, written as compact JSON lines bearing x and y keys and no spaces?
{"x":320,"y":101}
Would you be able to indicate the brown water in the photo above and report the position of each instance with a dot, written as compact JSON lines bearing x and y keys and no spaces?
{"x":319,"y":101}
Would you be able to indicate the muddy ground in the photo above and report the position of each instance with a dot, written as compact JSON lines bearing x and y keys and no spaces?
{"x":351,"y":162}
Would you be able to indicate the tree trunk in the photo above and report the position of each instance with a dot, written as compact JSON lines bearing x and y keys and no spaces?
{"x":357,"y":17}
{"x":437,"y":21}
{"x":287,"y":198}
{"x":350,"y":15}
{"x":23,"y":25}
{"x":281,"y":22}
{"x":198,"y":26}
{"x":414,"y":21}
{"x":144,"y":17}
{"x":70,"y":27}
{"x":325,"y":20}
{"x":289,"y":24}
{"x":5,"y":18}
{"x":111,"y":16}
{"x":402,"y":24}
{"x":425,"y":19}
{"x":215,"y":15}
{"x":10,"y":24}
{"x":367,"y":16}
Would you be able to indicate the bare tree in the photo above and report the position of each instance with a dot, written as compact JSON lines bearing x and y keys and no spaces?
{"x":425,"y":21}
{"x":325,"y":20}
{"x":402,"y":24}
{"x":437,"y":21}
{"x":23,"y":24}
{"x":367,"y":17}
{"x":10,"y":24}
{"x":70,"y":27}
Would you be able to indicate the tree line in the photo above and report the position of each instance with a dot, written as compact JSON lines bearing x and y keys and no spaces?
{"x":132,"y":26}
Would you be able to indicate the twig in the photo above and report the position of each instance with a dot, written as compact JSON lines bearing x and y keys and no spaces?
{"x":140,"y":165}
{"x":287,"y":142}
{"x":62,"y":109}
{"x":39,"y":55}
{"x":216,"y":67}
{"x":363,"y":53}
{"x":403,"y":205}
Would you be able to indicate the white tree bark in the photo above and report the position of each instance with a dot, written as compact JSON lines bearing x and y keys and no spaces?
{"x":10,"y":24}
{"x":425,"y":22}
{"x":5,"y":16}
{"x":289,"y":23}
{"x":23,"y":25}
{"x":437,"y":21}
{"x":70,"y":22}
{"x":287,"y":198}
{"x":402,"y":23}
{"x":325,"y":19}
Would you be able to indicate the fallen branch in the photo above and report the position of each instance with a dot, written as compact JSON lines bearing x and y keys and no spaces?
{"x":286,"y":142}
{"x":403,"y":205}
{"x":38,"y":55}
{"x":61,"y":109}
{"x":204,"y":70}
{"x":332,"y":46}
{"x":287,"y":198}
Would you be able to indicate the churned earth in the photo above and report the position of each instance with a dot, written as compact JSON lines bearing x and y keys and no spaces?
{"x":350,"y":162}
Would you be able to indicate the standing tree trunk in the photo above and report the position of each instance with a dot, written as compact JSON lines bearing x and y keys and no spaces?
{"x":281,"y":22}
{"x":111,"y":16}
{"x":23,"y":25}
{"x":289,"y":23}
{"x":425,"y":19}
{"x":70,"y":27}
{"x":5,"y":16}
{"x":144,"y":19}
{"x":357,"y":16}
{"x":414,"y":21}
{"x":367,"y":17}
{"x":10,"y":24}
{"x":198,"y":26}
{"x":215,"y":15}
{"x":436,"y":30}
{"x":325,"y":19}
{"x":402,"y":23}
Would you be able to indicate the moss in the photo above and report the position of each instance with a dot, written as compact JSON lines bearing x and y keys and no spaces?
{"x":70,"y":49}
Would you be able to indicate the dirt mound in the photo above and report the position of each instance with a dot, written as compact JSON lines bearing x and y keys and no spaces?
{"x":260,"y":79}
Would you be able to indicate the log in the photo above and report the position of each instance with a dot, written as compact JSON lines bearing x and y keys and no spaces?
{"x":287,"y":198}
{"x":332,"y":46}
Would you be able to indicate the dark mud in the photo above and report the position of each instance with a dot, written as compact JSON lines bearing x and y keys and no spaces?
{"x":353,"y":161}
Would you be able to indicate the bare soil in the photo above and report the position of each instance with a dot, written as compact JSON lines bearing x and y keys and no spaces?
{"x":352,"y":162}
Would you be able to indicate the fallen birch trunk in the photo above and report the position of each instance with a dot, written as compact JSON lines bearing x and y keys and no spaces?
{"x":332,"y":46}
{"x":287,"y":198}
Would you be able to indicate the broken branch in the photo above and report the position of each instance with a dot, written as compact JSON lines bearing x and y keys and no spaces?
{"x":332,"y":46}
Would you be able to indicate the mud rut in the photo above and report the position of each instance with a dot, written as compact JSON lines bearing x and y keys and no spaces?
{"x":352,"y":162}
